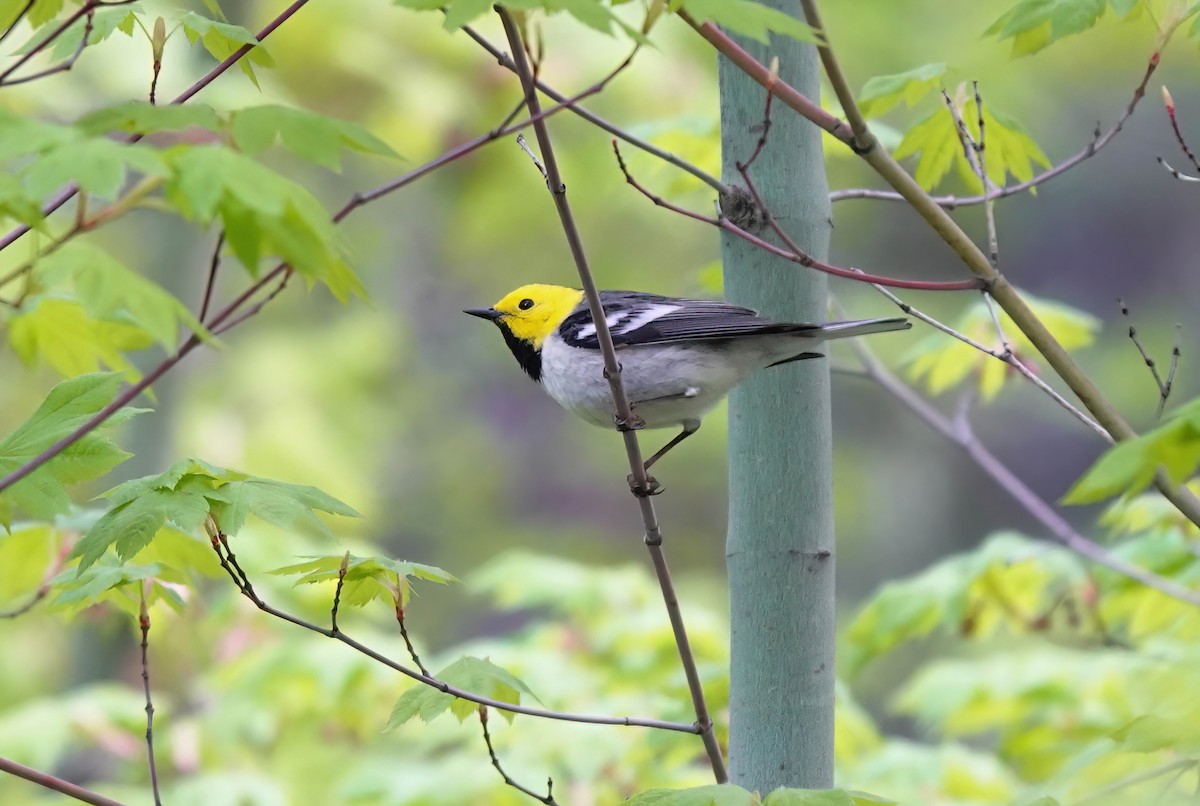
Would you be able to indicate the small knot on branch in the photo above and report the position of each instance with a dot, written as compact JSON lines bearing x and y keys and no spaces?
{"x":739,"y":207}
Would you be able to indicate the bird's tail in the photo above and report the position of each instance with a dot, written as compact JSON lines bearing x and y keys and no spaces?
{"x":862,"y":327}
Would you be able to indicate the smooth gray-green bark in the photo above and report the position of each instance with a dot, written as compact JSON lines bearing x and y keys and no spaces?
{"x":780,"y":545}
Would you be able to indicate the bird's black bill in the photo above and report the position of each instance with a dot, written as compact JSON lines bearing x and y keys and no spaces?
{"x":490,"y":314}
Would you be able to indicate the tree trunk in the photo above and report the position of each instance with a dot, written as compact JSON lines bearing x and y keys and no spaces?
{"x":780,"y":547}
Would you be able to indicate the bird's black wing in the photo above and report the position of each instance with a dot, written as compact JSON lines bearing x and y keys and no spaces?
{"x":637,"y":318}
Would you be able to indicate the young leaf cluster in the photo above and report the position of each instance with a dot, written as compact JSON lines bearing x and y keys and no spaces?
{"x":43,"y":493}
{"x":192,"y":491}
{"x":942,"y":363}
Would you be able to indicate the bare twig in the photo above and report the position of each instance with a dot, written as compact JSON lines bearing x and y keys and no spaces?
{"x":1099,"y":140}
{"x":45,"y":779}
{"x":144,"y":625}
{"x":1162,"y":384}
{"x":640,"y":482}
{"x":1180,"y":175}
{"x":408,"y":644}
{"x":228,"y":561}
{"x":337,"y":593}
{"x":214,"y":266}
{"x":795,"y":255}
{"x":989,"y":203}
{"x":1170,"y":383}
{"x":960,"y":433}
{"x":616,"y":131}
{"x":548,"y":798}
{"x":1169,"y":103}
{"x":764,"y":127}
{"x":537,"y":163}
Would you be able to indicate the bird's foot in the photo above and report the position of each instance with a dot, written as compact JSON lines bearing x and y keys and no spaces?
{"x":651,"y":487}
{"x":631,"y":423}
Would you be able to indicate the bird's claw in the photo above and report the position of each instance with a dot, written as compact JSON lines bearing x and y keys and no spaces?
{"x":631,"y":423}
{"x":651,"y":487}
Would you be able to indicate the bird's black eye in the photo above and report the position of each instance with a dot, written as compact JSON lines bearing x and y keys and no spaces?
{"x":525,"y":304}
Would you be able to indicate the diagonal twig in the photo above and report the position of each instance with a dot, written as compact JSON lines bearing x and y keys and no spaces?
{"x":624,"y":414}
{"x":548,"y":798}
{"x":960,"y":433}
{"x":504,"y":60}
{"x":794,"y":253}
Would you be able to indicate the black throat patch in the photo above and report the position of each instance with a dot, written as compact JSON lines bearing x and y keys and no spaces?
{"x":528,"y":356}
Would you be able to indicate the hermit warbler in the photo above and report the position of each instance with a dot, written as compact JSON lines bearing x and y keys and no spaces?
{"x":679,"y":357}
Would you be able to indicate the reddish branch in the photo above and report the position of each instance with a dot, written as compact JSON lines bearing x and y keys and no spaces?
{"x":793,"y":253}
{"x":504,"y":60}
{"x":45,"y":779}
{"x":548,"y":798}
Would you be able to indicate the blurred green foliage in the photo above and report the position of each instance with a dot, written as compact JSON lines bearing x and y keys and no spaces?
{"x":1007,"y":673}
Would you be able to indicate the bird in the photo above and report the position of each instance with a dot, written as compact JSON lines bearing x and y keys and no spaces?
{"x":679,"y":357}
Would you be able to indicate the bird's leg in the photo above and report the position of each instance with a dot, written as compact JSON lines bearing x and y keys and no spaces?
{"x":689,"y":428}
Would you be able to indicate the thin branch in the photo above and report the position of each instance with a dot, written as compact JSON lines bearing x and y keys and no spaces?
{"x":764,"y":131}
{"x":228,"y":561}
{"x":960,"y":433}
{"x":408,"y":644}
{"x":1137,"y":342}
{"x":1169,"y":103}
{"x":795,"y":255}
{"x":948,"y":230}
{"x":624,"y":418}
{"x":65,"y":66}
{"x":68,"y":192}
{"x":1180,"y":175}
{"x":505,"y":61}
{"x":1099,"y":140}
{"x":45,"y":779}
{"x":989,"y":203}
{"x":1162,"y":403}
{"x":548,"y":798}
{"x":1162,"y":384}
{"x":87,"y":10}
{"x":144,"y":625}
{"x":466,"y":148}
{"x":337,"y":593}
{"x":214,"y":266}
{"x":258,"y":306}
